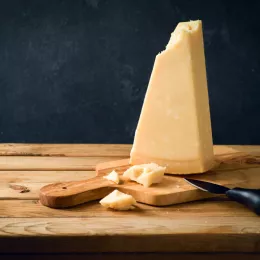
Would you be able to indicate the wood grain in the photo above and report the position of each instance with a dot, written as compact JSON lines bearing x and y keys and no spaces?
{"x":106,"y":167}
{"x":172,"y":189}
{"x":69,"y":194}
{"x":43,"y":176}
{"x":219,"y":207}
{"x":35,"y":180}
{"x":50,"y":157}
{"x":86,"y":150}
{"x":127,"y":225}
{"x":51,"y":163}
{"x":128,"y":234}
{"x":66,"y":150}
{"x":211,"y":225}
{"x":134,"y":256}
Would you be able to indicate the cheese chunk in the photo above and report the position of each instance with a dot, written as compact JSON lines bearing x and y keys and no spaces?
{"x":118,"y":200}
{"x":113,"y":176}
{"x":174,"y":128}
{"x":145,"y":174}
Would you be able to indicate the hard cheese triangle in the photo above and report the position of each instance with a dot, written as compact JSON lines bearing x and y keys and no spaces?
{"x":174,"y":128}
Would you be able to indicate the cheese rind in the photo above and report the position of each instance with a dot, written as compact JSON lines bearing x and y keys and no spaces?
{"x":113,"y":176}
{"x":145,"y":174}
{"x":118,"y":200}
{"x":174,"y":128}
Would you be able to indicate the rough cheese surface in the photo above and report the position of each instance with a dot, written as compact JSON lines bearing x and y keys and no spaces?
{"x":113,"y":176}
{"x":145,"y":174}
{"x":174,"y":128}
{"x":118,"y":200}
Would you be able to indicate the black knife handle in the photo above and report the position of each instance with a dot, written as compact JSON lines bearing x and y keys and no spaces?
{"x":247,"y":197}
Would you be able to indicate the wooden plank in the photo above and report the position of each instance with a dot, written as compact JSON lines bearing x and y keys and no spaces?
{"x":8,"y":191}
{"x":133,"y":256}
{"x":237,"y":157}
{"x":35,"y":180}
{"x":85,"y":150}
{"x":114,"y":152}
{"x":128,"y":234}
{"x":67,"y":150}
{"x":211,"y":208}
{"x":44,"y":176}
{"x":35,"y":163}
{"x":205,"y":226}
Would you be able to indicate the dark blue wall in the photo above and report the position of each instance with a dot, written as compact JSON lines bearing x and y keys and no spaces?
{"x":77,"y":71}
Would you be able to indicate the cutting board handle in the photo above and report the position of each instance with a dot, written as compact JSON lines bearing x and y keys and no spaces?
{"x":247,"y":197}
{"x":69,"y":194}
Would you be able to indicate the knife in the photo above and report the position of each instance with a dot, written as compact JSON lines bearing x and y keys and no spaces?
{"x":248,"y":197}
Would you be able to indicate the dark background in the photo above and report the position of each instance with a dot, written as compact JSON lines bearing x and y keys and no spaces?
{"x":77,"y":71}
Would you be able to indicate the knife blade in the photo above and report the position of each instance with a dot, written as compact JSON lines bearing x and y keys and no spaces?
{"x":248,"y":197}
{"x":207,"y":186}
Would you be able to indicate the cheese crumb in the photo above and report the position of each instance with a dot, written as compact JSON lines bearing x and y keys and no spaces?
{"x":118,"y":200}
{"x":145,"y":174}
{"x":113,"y":176}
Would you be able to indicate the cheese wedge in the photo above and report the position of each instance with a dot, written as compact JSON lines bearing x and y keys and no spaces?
{"x":118,"y":200}
{"x":145,"y":174}
{"x":113,"y":176}
{"x":174,"y":128}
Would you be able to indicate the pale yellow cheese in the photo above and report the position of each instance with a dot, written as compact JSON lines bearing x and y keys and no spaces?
{"x":118,"y":200}
{"x":174,"y":128}
{"x":145,"y":174}
{"x":113,"y":176}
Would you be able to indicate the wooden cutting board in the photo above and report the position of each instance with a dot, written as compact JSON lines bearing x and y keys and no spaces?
{"x":172,"y":190}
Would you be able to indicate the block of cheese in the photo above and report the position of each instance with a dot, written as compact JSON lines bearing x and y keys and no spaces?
{"x":145,"y":174}
{"x":118,"y":200}
{"x":113,"y":176}
{"x":174,"y":128}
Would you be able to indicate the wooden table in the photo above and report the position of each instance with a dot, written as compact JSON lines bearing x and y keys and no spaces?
{"x":214,"y":226}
